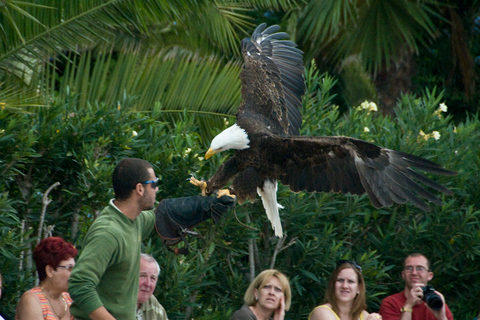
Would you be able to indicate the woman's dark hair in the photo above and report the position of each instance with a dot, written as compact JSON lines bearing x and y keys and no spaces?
{"x":359,"y":303}
{"x":49,"y":252}
{"x":127,"y":174}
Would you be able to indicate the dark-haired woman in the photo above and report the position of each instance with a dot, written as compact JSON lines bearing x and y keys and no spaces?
{"x":55,"y":259}
{"x":345,"y":296}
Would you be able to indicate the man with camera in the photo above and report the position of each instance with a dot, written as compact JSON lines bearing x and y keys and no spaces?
{"x":418,"y":301}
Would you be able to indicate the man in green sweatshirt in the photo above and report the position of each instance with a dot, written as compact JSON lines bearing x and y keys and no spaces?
{"x":104,"y":283}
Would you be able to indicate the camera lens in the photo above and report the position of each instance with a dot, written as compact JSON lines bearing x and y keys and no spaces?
{"x":432,"y":299}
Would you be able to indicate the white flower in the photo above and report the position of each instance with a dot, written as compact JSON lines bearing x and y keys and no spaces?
{"x":187,"y":151}
{"x":441,"y":108}
{"x":364,"y":104}
{"x":366,"y":129}
{"x":435,"y":135}
{"x":369,"y":106}
{"x":372,"y":107}
{"x":134,"y":133}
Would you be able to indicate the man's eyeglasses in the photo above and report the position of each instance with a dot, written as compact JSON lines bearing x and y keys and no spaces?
{"x":68,"y":268}
{"x":154,"y":183}
{"x":351,"y":262}
{"x":419,"y":269}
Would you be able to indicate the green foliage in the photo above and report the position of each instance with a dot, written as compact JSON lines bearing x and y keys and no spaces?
{"x":372,"y":29}
{"x":138,"y":78}
{"x":322,"y":228}
{"x":79,"y":147}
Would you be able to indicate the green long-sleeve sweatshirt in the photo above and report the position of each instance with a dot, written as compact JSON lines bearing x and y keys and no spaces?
{"x":106,"y":273}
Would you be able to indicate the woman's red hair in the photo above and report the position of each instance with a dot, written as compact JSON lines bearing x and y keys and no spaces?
{"x":49,"y":252}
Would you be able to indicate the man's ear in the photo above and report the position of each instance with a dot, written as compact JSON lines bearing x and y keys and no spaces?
{"x":430,"y":276}
{"x":139,"y":188}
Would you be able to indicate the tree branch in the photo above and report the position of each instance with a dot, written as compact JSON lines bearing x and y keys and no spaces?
{"x":45,"y":203}
{"x":279,"y":248}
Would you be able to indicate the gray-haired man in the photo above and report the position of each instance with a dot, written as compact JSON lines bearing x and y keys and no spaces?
{"x":148,"y":307}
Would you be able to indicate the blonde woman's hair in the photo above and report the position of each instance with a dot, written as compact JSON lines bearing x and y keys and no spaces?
{"x":261,"y":280}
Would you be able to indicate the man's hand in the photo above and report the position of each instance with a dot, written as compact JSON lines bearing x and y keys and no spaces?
{"x":442,"y":313}
{"x":415,"y":295}
{"x":101,"y":314}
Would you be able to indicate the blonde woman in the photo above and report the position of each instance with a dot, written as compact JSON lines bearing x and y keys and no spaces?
{"x":267,"y":297}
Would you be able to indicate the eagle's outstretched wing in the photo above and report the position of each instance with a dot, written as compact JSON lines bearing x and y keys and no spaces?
{"x":269,"y":148}
{"x":348,"y":165}
{"x":272,"y":81}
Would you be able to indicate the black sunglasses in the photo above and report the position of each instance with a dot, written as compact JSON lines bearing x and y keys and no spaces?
{"x":351,"y":262}
{"x":154,"y":183}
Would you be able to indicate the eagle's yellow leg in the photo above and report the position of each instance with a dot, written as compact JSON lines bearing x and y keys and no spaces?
{"x":225,"y":192}
{"x":201,"y":184}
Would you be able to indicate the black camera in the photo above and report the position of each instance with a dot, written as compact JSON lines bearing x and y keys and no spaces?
{"x":432,"y":299}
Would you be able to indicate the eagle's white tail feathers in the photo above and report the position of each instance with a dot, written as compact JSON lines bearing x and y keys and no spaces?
{"x":269,"y":200}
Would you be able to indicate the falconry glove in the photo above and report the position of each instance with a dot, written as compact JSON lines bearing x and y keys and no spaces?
{"x":176,"y":217}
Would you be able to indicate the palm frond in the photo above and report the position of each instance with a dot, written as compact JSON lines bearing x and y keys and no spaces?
{"x":374,"y":29}
{"x":68,"y":25}
{"x":326,"y":19}
{"x":175,"y":82}
{"x":384,"y":25}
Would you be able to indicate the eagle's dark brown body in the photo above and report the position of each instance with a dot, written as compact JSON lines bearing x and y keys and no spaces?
{"x":269,"y":148}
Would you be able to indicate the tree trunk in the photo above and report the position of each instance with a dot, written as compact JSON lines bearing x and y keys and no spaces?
{"x":393,"y":81}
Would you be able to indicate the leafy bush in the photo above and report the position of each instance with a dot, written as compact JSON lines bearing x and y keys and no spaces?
{"x":79,"y":148}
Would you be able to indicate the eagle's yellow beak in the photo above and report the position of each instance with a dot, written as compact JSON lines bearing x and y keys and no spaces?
{"x":210,"y":153}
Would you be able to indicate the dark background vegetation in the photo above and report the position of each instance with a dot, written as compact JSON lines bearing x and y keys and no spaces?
{"x":84,"y":84}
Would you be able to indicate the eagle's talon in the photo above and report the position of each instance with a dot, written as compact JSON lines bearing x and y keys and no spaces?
{"x":201,"y":184}
{"x":225,"y":192}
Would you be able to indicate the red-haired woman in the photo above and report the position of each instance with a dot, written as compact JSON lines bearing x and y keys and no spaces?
{"x":345,"y":296}
{"x":55,"y":259}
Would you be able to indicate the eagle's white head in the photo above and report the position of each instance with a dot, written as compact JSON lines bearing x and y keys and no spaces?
{"x":233,"y":137}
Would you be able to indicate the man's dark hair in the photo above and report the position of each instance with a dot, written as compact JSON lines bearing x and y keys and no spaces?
{"x":127,"y":174}
{"x":418,"y":254}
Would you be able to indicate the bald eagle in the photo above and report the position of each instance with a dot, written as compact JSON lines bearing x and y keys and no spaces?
{"x":269,"y":148}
